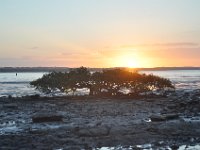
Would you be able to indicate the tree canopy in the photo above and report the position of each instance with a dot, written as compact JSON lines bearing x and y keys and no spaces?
{"x":108,"y":82}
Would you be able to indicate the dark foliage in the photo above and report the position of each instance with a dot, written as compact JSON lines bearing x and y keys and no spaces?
{"x":107,"y":82}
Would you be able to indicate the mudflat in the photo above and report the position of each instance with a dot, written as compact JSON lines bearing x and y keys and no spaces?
{"x":91,"y":122}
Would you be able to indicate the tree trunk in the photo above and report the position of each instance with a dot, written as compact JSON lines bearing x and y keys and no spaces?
{"x":91,"y":91}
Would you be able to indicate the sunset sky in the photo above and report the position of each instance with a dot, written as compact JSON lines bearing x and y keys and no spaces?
{"x":100,"y":33}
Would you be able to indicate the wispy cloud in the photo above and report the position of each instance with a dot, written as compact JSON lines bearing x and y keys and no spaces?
{"x":177,"y":44}
{"x":170,"y":44}
{"x":112,"y":53}
{"x":66,"y":53}
{"x":35,"y":47}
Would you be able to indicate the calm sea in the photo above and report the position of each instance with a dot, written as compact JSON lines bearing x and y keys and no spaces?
{"x":17,"y":86}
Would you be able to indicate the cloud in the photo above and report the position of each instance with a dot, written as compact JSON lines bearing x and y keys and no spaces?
{"x":35,"y":47}
{"x":170,"y":44}
{"x":66,"y":53}
{"x":26,"y":57}
{"x":176,"y":44}
{"x":116,"y":52}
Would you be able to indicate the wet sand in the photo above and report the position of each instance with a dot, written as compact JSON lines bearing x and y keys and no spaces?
{"x":86,"y":122}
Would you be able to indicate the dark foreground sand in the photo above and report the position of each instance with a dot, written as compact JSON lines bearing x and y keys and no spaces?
{"x":100,"y":122}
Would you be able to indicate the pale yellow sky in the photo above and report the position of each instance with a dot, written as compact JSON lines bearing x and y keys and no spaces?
{"x":114,"y":33}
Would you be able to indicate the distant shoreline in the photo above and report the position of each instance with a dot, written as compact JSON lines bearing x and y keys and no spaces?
{"x":64,"y":69}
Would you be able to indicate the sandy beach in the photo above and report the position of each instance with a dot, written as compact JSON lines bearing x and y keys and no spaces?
{"x":91,"y":123}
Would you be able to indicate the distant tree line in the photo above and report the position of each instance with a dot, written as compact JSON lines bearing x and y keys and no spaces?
{"x":106,"y":82}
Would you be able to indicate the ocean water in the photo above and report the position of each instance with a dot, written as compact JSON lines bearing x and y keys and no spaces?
{"x":18,"y":86}
{"x":182,"y":79}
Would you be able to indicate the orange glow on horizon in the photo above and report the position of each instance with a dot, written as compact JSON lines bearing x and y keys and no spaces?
{"x":126,"y":57}
{"x":128,"y":61}
{"x":130,"y":57}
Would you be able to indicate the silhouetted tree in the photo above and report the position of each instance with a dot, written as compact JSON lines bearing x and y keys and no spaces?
{"x":111,"y":81}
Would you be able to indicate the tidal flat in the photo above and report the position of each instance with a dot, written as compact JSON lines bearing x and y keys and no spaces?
{"x":98,"y":123}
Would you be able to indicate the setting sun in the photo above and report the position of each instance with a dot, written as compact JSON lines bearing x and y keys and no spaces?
{"x":130,"y":61}
{"x":131,"y":64}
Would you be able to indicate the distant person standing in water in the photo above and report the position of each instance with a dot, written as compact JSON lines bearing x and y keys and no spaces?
{"x":16,"y":74}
